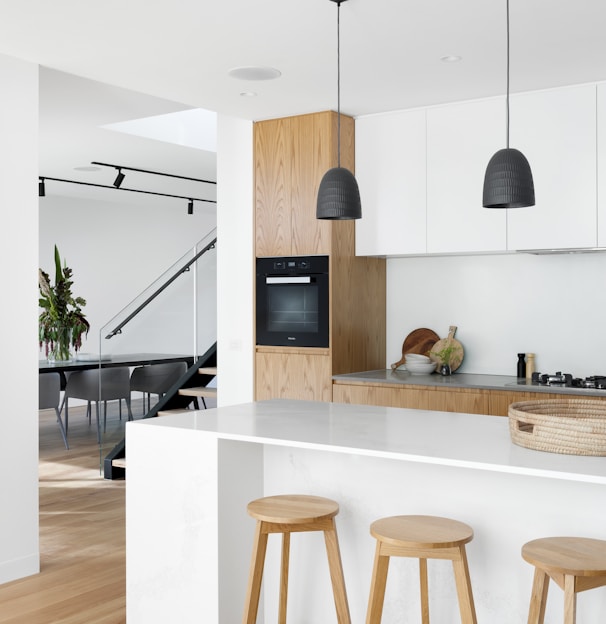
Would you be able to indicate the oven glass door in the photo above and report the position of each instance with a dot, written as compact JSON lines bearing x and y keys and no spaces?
{"x":292,"y":310}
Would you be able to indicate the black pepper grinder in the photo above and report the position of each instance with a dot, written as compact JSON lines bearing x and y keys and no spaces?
{"x":521,"y":366}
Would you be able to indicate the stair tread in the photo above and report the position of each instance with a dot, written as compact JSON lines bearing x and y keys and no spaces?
{"x":202,"y":391}
{"x":119,"y":462}
{"x":168,"y":412}
{"x":208,"y":370}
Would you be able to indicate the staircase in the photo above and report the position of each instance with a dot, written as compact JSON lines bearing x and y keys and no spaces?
{"x":191,"y":389}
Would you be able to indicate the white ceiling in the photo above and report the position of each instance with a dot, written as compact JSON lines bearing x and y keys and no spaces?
{"x":180,"y":51}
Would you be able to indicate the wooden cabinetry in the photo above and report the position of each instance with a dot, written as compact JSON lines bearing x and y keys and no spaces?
{"x":463,"y":400}
{"x":291,"y":156}
{"x":556,"y":131}
{"x":391,"y":172}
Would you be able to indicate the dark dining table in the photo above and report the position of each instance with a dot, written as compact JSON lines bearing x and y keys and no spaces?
{"x":120,"y":359}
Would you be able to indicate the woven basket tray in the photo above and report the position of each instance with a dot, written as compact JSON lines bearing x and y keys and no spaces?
{"x":572,"y":427}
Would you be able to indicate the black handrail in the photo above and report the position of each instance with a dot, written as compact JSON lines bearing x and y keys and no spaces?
{"x":184,"y":269}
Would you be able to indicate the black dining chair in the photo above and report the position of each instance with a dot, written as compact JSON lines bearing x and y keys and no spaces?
{"x":49,"y":396}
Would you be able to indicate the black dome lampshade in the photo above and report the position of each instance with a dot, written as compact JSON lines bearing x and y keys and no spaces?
{"x":508,"y":180}
{"x":338,"y":194}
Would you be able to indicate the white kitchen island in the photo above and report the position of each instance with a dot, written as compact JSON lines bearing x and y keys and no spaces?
{"x":190,"y":476}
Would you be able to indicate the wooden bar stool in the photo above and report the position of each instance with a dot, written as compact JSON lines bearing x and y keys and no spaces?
{"x":574,"y":563}
{"x":288,"y":514}
{"x":421,"y":537}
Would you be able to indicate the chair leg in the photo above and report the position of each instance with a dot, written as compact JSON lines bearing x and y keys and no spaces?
{"x":377,"y":587}
{"x":65,"y":402}
{"x":336,"y":574}
{"x":253,"y":591}
{"x":130,"y":413}
{"x":98,"y":422}
{"x":284,"y":578}
{"x":63,"y":432}
{"x":204,"y":402}
{"x":424,"y":591}
{"x":538,"y":599}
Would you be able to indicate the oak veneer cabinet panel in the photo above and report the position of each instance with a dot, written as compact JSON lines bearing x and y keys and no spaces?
{"x":380,"y":395}
{"x":458,"y":400}
{"x":500,"y":401}
{"x":291,"y":157}
{"x":293,"y":375}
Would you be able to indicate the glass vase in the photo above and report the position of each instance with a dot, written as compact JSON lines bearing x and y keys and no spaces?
{"x":59,"y":349}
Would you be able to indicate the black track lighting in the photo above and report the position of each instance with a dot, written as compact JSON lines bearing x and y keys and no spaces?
{"x":191,"y":200}
{"x":119,"y":178}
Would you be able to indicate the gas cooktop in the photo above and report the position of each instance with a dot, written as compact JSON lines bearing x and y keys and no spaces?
{"x":594,"y":382}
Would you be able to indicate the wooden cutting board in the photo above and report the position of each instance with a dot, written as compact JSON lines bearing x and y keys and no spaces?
{"x":418,"y":341}
{"x":457,"y":354}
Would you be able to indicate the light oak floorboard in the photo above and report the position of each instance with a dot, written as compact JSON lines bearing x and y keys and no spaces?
{"x":82,"y":532}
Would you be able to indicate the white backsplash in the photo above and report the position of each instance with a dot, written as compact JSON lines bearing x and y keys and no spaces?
{"x":550,"y":305}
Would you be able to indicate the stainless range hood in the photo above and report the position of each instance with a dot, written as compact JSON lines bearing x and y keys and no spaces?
{"x":564,"y":250}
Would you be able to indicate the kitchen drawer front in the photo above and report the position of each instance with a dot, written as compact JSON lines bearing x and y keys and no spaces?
{"x":385,"y":396}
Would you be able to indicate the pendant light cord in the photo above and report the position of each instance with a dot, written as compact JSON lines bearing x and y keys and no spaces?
{"x":507,"y":99}
{"x":339,"y":83}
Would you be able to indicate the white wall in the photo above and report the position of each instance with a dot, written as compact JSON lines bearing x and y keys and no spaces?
{"x":18,"y":258}
{"x":116,"y":250}
{"x":235,"y":273}
{"x":503,"y":305}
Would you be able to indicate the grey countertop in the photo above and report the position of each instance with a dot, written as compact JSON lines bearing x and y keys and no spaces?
{"x":460,"y":380}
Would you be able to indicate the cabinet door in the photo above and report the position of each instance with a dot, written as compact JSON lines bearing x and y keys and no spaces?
{"x":461,"y":139}
{"x":556,"y":131}
{"x":293,"y":376}
{"x":602,"y":165}
{"x":272,"y":183}
{"x":391,"y":173}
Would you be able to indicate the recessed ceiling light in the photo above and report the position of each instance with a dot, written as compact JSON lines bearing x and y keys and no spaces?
{"x":87,"y":168}
{"x":248,"y":94}
{"x":254,"y":73}
{"x":451,"y":58}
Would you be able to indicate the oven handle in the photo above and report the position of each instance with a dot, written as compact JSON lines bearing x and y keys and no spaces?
{"x":304,"y":279}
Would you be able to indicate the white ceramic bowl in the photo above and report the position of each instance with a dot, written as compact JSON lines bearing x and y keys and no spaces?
{"x":416,"y":357}
{"x":420,"y":368}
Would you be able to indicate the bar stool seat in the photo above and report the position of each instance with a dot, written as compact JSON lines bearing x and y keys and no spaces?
{"x":574,"y":563}
{"x":286,"y":514}
{"x":421,"y":537}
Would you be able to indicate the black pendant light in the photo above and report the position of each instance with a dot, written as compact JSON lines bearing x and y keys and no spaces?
{"x":338,"y":195}
{"x":508,"y":181}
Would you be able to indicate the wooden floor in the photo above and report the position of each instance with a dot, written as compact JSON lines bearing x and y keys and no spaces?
{"x":82,"y":534}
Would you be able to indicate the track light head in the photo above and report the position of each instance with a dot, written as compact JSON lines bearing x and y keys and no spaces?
{"x":41,"y":188}
{"x":190,"y":207}
{"x":119,"y":179}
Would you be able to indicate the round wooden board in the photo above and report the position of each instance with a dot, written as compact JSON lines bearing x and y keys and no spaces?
{"x":418,"y":341}
{"x":457,"y":355}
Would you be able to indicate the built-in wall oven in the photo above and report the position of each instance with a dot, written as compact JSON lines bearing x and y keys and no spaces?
{"x":292,"y":301}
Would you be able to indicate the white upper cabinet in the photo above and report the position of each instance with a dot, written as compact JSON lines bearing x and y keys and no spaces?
{"x":602,"y":165}
{"x":391,"y":174}
{"x":556,"y":131}
{"x":461,"y":139}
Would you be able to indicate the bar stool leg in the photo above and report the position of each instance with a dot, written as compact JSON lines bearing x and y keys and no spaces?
{"x":336,"y":573}
{"x":284,"y":577}
{"x":253,"y":591}
{"x":377,"y":587}
{"x":424,"y":591}
{"x":570,"y":600}
{"x":538,"y":599}
{"x":463,"y":582}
